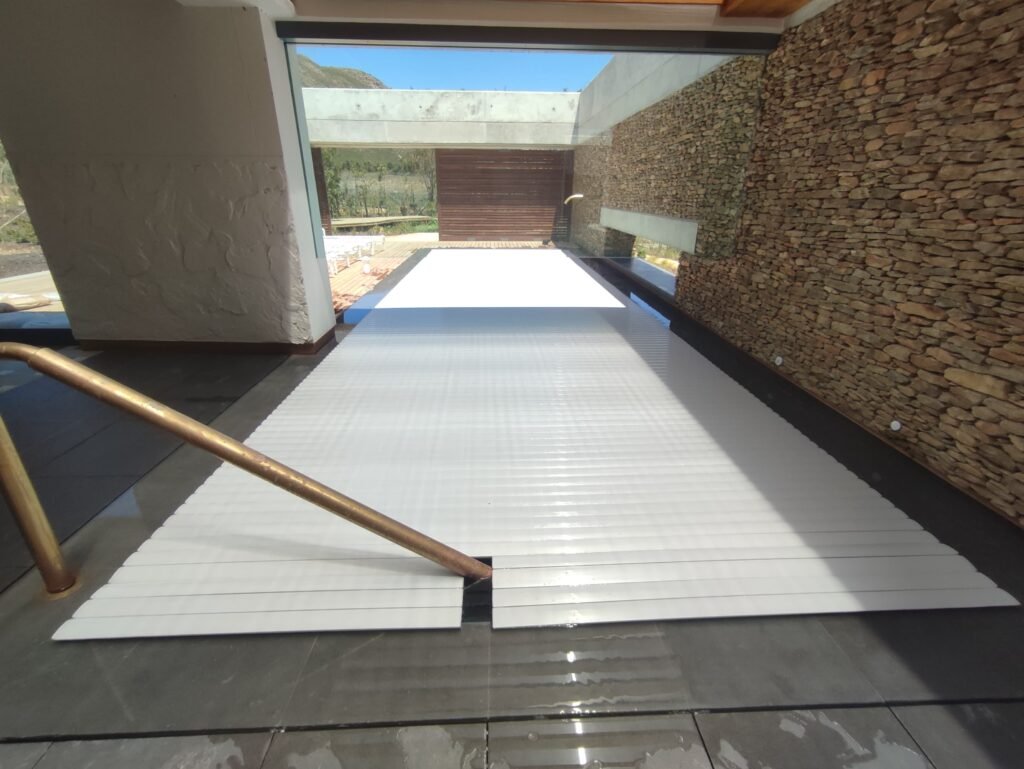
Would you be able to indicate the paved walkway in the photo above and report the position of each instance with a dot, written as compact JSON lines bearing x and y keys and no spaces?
{"x":30,"y":289}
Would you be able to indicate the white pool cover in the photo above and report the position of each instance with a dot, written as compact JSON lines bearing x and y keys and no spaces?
{"x":506,"y":403}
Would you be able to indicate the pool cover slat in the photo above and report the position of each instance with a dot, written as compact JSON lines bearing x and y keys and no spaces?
{"x":510,"y":405}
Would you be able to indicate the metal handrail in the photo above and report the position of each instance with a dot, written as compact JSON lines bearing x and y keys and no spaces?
{"x":21,"y":497}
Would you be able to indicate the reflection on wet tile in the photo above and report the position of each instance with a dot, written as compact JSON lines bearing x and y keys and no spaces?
{"x":243,"y":751}
{"x":984,"y":736}
{"x":948,"y":655}
{"x":360,"y":678}
{"x":866,"y":738}
{"x":456,"y":746}
{"x":655,"y":742}
{"x":586,"y":669}
{"x":24,"y":756}
{"x":228,"y":682}
{"x":42,"y":680}
{"x":764,"y":662}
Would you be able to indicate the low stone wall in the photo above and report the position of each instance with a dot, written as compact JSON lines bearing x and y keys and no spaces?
{"x":881,"y":249}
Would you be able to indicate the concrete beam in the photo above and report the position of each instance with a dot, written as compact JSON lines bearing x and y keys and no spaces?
{"x":678,"y":233}
{"x":632,"y":82}
{"x":369,"y":117}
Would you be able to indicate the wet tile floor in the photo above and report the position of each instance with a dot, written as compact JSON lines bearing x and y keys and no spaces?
{"x":904,"y":690}
{"x":833,"y":738}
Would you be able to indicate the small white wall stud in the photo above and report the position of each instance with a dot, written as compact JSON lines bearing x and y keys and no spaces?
{"x":778,"y":360}
{"x":895,"y":425}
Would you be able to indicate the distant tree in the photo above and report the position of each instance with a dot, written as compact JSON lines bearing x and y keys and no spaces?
{"x":5,"y":168}
{"x":363,"y":197}
{"x":421,"y":163}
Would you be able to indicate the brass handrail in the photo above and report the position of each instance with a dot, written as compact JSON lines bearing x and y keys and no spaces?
{"x":32,"y":520}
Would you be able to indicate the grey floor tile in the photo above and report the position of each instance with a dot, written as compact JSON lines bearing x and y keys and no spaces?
{"x":105,"y":687}
{"x":84,"y":455}
{"x":71,"y":502}
{"x":458,"y":746}
{"x":44,"y":682}
{"x":23,"y":756}
{"x":159,"y":493}
{"x":585,"y":669}
{"x":928,"y":656}
{"x":44,"y":438}
{"x":764,"y":662}
{"x":126,"y":447}
{"x":654,"y":742}
{"x":187,"y":684}
{"x":243,"y":751}
{"x":871,"y":738}
{"x":365,"y":678}
{"x":983,"y":736}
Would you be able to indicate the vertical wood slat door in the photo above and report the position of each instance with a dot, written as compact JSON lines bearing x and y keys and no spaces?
{"x":503,"y":194}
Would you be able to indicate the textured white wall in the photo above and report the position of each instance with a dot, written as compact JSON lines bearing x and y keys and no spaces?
{"x":148,"y":143}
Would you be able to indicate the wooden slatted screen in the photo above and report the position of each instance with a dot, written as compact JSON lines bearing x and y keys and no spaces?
{"x":503,"y":194}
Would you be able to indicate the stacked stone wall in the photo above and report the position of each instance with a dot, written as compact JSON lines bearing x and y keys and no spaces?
{"x":881,"y":245}
{"x":686,"y":156}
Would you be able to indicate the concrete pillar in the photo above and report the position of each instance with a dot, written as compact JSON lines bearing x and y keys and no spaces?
{"x":157,"y":150}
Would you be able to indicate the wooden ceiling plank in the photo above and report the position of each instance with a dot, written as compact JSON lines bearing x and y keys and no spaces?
{"x":761,"y":8}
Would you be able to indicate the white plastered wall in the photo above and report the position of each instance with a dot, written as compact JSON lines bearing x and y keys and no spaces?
{"x":157,"y":152}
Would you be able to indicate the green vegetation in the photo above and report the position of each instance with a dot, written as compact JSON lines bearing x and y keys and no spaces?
{"x":371,"y":182}
{"x":15,"y":226}
{"x":657,"y":254}
{"x":312,"y":75}
{"x":380,"y":182}
{"x":392,"y":228}
{"x":402,"y":228}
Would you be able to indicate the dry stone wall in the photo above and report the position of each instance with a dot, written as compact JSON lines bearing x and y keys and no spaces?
{"x":686,"y":156}
{"x":590,"y":179}
{"x":881,"y":245}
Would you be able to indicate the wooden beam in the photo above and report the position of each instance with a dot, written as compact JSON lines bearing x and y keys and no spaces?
{"x":761,"y":8}
{"x":717,"y":41}
{"x":637,"y":2}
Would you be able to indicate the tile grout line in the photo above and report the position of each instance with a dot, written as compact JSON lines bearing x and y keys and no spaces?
{"x":913,"y":739}
{"x":703,"y":740}
{"x":511,"y":719}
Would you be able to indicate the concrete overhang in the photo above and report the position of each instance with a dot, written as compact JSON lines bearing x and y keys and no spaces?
{"x":394,"y":118}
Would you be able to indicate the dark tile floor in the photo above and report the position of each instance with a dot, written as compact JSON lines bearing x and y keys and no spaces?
{"x":82,"y":454}
{"x":897,"y":690}
{"x":984,"y":736}
{"x":810,"y":739}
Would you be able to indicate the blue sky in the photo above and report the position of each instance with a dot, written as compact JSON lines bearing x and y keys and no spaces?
{"x":471,"y":70}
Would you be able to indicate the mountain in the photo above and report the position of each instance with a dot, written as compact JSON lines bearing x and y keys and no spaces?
{"x":312,"y":75}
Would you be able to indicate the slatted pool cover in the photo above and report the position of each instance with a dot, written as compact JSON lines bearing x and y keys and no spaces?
{"x":509,"y":405}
